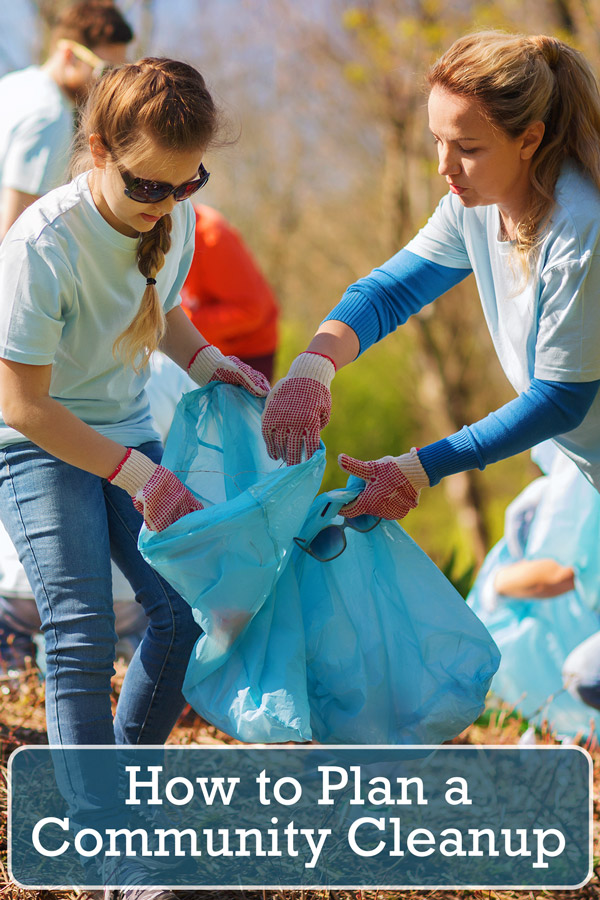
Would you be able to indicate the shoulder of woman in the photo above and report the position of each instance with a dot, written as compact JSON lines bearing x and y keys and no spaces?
{"x":574,"y":227}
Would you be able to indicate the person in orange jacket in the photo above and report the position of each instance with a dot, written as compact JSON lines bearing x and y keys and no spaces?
{"x":227,"y":297}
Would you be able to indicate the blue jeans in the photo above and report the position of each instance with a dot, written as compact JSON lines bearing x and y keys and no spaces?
{"x":66,"y":524}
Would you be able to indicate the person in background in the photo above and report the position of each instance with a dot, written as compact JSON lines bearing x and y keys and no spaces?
{"x":39,"y":103}
{"x":538,"y":593}
{"x":516,"y":121}
{"x":226,"y":295}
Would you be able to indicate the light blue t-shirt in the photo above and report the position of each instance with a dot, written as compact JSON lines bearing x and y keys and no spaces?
{"x":36,"y":129}
{"x":69,"y":286}
{"x":548,"y":328}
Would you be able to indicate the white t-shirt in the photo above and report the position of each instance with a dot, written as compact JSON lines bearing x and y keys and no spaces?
{"x":548,"y":328}
{"x":36,"y":130}
{"x":69,"y":286}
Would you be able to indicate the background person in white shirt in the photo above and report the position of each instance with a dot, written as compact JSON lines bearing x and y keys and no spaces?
{"x":39,"y":103}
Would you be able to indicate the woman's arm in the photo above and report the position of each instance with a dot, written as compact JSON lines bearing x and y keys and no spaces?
{"x":336,"y":340}
{"x":27,"y":406}
{"x":377,"y":304}
{"x":545,"y":410}
{"x":299,"y":405}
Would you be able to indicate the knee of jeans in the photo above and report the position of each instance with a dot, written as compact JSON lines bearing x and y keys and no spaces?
{"x":85,"y":643}
{"x":181,"y":633}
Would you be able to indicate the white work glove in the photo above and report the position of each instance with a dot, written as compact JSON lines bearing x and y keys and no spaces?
{"x":298,"y":408}
{"x":393,"y":485}
{"x":209,"y":364}
{"x":156,"y":492}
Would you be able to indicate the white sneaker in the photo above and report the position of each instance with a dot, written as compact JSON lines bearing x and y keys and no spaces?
{"x":147,"y":894}
{"x":132,"y":872}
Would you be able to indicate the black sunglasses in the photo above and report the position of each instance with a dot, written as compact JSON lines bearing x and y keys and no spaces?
{"x":145,"y":191}
{"x":330,"y":542}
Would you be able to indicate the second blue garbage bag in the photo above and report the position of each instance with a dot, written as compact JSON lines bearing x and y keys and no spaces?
{"x":375,"y":646}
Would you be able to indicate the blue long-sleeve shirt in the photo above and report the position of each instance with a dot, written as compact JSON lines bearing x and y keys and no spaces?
{"x":385,"y":299}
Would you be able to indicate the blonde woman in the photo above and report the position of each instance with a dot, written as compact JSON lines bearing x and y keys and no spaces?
{"x":516,"y":121}
{"x":89,"y":285}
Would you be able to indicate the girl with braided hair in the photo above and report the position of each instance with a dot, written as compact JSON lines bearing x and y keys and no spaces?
{"x":90,"y":277}
{"x":516,"y":120}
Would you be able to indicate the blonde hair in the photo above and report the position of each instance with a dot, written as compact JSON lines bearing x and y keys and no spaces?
{"x":519,"y":80}
{"x":159,"y":100}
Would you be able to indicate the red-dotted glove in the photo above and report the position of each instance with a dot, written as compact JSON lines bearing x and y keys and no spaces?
{"x":298,"y":408}
{"x":393,"y":485}
{"x":156,"y":492}
{"x":209,"y":364}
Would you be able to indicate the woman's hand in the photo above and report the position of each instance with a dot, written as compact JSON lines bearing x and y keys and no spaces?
{"x":209,"y":364}
{"x":156,"y":492}
{"x":298,"y":408}
{"x":393,"y":484}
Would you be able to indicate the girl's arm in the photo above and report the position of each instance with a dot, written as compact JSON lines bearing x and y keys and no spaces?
{"x":182,"y":340}
{"x":203,"y":362}
{"x":28,"y":407}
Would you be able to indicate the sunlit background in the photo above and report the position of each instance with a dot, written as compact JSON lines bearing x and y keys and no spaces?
{"x":331,"y":172}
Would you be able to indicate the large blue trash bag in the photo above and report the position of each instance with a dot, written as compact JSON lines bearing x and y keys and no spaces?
{"x":373,"y":647}
{"x":556,"y":516}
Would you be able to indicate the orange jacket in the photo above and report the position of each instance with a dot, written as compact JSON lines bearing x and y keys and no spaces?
{"x":225,"y":295}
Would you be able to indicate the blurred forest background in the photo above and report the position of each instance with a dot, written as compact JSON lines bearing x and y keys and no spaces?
{"x":332,"y":172}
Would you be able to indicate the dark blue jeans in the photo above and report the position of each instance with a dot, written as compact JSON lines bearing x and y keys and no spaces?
{"x":66,"y":524}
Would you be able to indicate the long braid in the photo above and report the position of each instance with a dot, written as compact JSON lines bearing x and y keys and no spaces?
{"x":143,"y":336}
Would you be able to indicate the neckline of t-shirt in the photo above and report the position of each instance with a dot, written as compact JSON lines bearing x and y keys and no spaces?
{"x":99,"y":222}
{"x":504,"y":244}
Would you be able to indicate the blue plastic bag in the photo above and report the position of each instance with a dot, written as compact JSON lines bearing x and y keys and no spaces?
{"x":558,"y":517}
{"x":373,"y":647}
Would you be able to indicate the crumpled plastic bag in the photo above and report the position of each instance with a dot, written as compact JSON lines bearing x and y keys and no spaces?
{"x":373,"y":647}
{"x":558,"y":517}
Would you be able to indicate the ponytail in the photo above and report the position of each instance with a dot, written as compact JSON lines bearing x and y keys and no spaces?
{"x":143,"y":336}
{"x":572,"y":121}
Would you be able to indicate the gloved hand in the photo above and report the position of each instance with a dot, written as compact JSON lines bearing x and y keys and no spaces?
{"x":298,"y":408}
{"x":156,"y":492}
{"x":393,"y":485}
{"x":209,"y":364}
